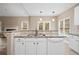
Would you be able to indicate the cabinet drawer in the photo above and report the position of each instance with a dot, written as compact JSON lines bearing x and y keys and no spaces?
{"x":35,"y":39}
{"x":41,"y":39}
{"x":30,"y":39}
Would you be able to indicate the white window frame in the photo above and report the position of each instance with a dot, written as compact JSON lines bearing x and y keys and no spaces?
{"x":63,"y":25}
{"x":43,"y":24}
{"x":22,"y":25}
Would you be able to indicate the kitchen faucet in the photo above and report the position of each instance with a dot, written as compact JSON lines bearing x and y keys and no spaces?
{"x":36,"y":32}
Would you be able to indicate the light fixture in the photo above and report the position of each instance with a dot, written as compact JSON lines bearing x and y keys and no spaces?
{"x":40,"y":16}
{"x":41,"y":11}
{"x":40,"y":19}
{"x":53,"y":12}
{"x":53,"y":16}
{"x":53,"y":19}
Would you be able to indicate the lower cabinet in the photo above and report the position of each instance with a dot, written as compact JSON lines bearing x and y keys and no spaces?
{"x":19,"y":46}
{"x":41,"y":48}
{"x":74,"y":43}
{"x":30,"y":46}
{"x":56,"y":46}
{"x":38,"y":46}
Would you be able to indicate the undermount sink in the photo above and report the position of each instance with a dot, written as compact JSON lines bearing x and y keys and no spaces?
{"x":33,"y":35}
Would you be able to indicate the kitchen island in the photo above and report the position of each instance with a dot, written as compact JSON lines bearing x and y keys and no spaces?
{"x":39,"y":45}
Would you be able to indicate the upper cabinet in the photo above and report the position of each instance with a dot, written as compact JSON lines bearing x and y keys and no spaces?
{"x":76,"y":15}
{"x":64,"y":26}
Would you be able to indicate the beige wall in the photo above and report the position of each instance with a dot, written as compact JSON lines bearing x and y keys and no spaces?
{"x":16,"y":21}
{"x":13,"y":21}
{"x":69,"y":13}
{"x":35,"y":19}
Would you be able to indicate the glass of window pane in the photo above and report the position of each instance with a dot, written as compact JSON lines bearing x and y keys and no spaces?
{"x":46,"y":26}
{"x":41,"y":26}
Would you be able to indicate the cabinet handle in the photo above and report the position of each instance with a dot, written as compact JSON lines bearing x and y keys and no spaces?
{"x":77,"y":40}
{"x":18,"y":40}
{"x":37,"y":43}
{"x":34,"y":43}
{"x":22,"y":43}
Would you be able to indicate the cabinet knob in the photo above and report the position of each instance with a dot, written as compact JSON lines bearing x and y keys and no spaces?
{"x":22,"y":43}
{"x":34,"y":43}
{"x":37,"y":43}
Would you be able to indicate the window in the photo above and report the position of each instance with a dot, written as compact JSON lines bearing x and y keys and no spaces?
{"x":40,"y":26}
{"x":46,"y":26}
{"x":64,"y":26}
{"x":43,"y":25}
{"x":24,"y":25}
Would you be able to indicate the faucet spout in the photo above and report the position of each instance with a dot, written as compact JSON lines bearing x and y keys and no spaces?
{"x":36,"y":32}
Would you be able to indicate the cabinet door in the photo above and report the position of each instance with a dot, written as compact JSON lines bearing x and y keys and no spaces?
{"x":19,"y":46}
{"x":30,"y":48}
{"x":41,"y":46}
{"x":76,"y":15}
{"x":74,"y":43}
{"x":55,"y":46}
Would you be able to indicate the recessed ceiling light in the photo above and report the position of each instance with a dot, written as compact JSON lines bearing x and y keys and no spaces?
{"x":41,"y":11}
{"x":53,"y":12}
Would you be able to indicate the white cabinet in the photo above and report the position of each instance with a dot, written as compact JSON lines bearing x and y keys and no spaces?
{"x":30,"y":46}
{"x":76,"y":15}
{"x":41,"y":46}
{"x":55,"y":46}
{"x":74,"y":43}
{"x":35,"y":46}
{"x":19,"y":46}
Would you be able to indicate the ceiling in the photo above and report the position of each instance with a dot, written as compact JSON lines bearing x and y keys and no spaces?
{"x":47,"y":8}
{"x":12,"y":9}
{"x":33,"y":9}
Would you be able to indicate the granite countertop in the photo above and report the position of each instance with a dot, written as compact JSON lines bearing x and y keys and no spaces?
{"x":74,"y":34}
{"x":39,"y":36}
